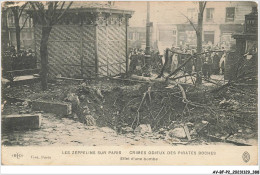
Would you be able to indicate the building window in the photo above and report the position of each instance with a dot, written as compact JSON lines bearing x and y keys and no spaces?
{"x":142,"y":36}
{"x":209,"y":37}
{"x":166,"y":36}
{"x":10,"y":20}
{"x":130,"y":35}
{"x":191,"y":13}
{"x":137,"y":36}
{"x":24,"y":21}
{"x":209,"y":14}
{"x":230,"y":14}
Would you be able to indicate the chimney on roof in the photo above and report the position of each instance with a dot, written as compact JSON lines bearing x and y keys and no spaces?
{"x":254,"y":9}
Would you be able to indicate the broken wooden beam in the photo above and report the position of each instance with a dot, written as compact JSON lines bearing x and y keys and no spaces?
{"x":187,"y":132}
{"x":151,"y":79}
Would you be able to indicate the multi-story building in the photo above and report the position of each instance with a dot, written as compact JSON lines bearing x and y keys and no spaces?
{"x":25,"y":23}
{"x":137,"y":37}
{"x":221,"y":20}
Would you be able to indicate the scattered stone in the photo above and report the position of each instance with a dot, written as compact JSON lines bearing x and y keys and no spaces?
{"x":98,"y":91}
{"x":204,"y":122}
{"x":74,"y":99}
{"x":74,"y":116}
{"x":25,"y":103}
{"x":248,"y":130}
{"x":175,"y":140}
{"x":137,"y":138}
{"x":22,"y":112}
{"x":125,"y":124}
{"x":82,"y":97}
{"x":193,"y":132}
{"x":162,"y":131}
{"x":130,"y":136}
{"x":229,"y":104}
{"x":177,"y":132}
{"x":189,"y":124}
{"x":127,"y":129}
{"x":108,"y":130}
{"x":144,"y":128}
{"x":18,"y":103}
{"x":26,"y":139}
{"x":172,"y":125}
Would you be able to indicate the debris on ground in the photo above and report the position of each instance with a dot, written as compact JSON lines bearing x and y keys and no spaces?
{"x":183,"y":114}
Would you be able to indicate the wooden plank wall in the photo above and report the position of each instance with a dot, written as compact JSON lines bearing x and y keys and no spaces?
{"x":85,"y":51}
{"x":111,"y":50}
{"x":71,"y":50}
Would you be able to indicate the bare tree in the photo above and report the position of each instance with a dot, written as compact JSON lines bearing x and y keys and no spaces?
{"x":47,"y":14}
{"x":17,"y":10}
{"x":199,"y":29}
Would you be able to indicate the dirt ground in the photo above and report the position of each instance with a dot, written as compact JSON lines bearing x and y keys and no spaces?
{"x":115,"y":105}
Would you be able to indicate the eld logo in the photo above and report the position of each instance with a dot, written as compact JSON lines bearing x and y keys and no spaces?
{"x":17,"y":155}
{"x":246,"y":156}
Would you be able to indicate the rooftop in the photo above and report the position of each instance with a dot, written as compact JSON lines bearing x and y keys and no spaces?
{"x":99,"y":7}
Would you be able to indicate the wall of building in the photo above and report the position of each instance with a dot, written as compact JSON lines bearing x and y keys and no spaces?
{"x":27,"y":38}
{"x":173,"y":13}
{"x":137,"y":37}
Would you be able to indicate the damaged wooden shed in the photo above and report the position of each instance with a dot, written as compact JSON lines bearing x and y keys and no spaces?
{"x":90,"y":40}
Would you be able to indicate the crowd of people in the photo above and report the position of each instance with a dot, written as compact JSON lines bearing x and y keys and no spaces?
{"x":18,"y":60}
{"x":213,"y":61}
{"x":139,"y":62}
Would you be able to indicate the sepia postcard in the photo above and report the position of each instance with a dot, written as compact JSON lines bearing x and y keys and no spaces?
{"x":129,"y":83}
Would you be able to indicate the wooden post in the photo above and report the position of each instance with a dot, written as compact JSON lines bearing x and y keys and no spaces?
{"x":147,"y":49}
{"x":148,"y":44}
{"x":126,"y":43}
{"x":81,"y":51}
{"x":96,"y":50}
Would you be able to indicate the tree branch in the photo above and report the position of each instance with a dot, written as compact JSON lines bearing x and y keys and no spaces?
{"x":188,"y":59}
{"x":24,"y":23}
{"x":21,"y":10}
{"x":59,"y":17}
{"x":204,"y":5}
{"x":55,"y":9}
{"x":191,"y":23}
{"x":62,"y":5}
{"x":41,"y":12}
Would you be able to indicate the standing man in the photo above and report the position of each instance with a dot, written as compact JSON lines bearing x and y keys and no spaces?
{"x":216,"y":60}
{"x":222,"y":63}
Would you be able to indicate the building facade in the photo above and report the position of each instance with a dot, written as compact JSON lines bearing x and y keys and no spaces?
{"x":137,"y":37}
{"x":25,"y":22}
{"x":221,"y":20}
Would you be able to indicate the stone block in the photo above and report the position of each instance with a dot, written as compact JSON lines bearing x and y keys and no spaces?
{"x":21,"y":121}
{"x":144,"y":128}
{"x":52,"y":107}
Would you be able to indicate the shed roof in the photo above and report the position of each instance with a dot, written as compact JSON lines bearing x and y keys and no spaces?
{"x":84,"y":6}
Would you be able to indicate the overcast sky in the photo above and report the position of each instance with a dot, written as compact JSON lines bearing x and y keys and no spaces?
{"x":161,"y":12}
